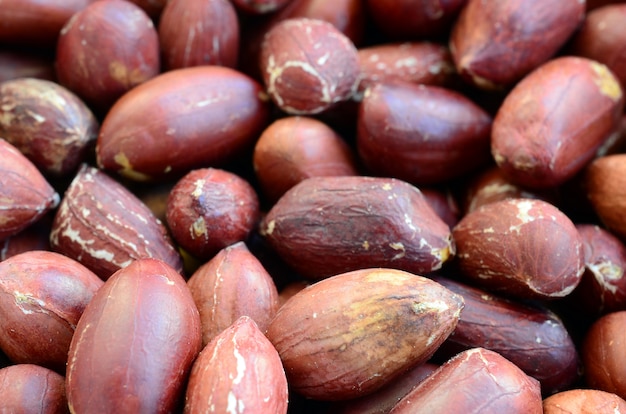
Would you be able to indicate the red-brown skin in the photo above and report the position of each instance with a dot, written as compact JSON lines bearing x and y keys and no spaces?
{"x":474,"y":381}
{"x":105,"y":50}
{"x":42,"y":296}
{"x":328,"y":225}
{"x":34,"y":237}
{"x":232,"y":284}
{"x":539,"y":138}
{"x":602,"y":352}
{"x":382,"y":400}
{"x":349,"y":335}
{"x":153,"y":8}
{"x":583,"y":401}
{"x":492,"y":185}
{"x":135,"y":343}
{"x":291,"y":289}
{"x":48,"y":123}
{"x":209,"y":209}
{"x":520,"y":247}
{"x":602,"y":37}
{"x":25,"y":194}
{"x":348,"y":16}
{"x":531,"y":337}
{"x":413,"y":19}
{"x":594,"y":4}
{"x":36,"y":22}
{"x":422,"y":62}
{"x":15,"y":64}
{"x":29,"y":388}
{"x":605,"y":184}
{"x":421,"y":134}
{"x":221,"y":116}
{"x":308,"y":65}
{"x":494,"y":43}
{"x":238,"y":371}
{"x":104,"y":226}
{"x":603,"y":285}
{"x":199,"y":32}
{"x":444,"y":203}
{"x":260,"y":6}
{"x":294,"y":148}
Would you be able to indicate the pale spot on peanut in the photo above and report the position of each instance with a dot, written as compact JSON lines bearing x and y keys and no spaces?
{"x":29,"y":304}
{"x":198,"y":228}
{"x":399,"y":247}
{"x":127,"y":169}
{"x":606,"y":81}
{"x":198,"y":188}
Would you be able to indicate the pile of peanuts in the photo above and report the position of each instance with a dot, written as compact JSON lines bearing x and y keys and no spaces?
{"x":312,"y":206}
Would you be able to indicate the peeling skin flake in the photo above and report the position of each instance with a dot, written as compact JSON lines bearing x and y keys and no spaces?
{"x":198,"y":189}
{"x":606,"y":82}
{"x":270,"y":227}
{"x":605,"y":272}
{"x":241,"y":364}
{"x":198,"y":228}
{"x":400,"y":247}
{"x":127,"y":169}
{"x":524,"y":207}
{"x":29,"y":304}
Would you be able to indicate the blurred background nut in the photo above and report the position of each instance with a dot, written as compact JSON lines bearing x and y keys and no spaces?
{"x":382,"y":400}
{"x":413,"y":19}
{"x":602,"y":288}
{"x":34,"y":237}
{"x":36,"y":22}
{"x":605,"y":183}
{"x":209,"y":209}
{"x":25,"y":64}
{"x":491,"y":184}
{"x":30,"y":388}
{"x":260,"y":6}
{"x":444,"y":203}
{"x":25,"y":194}
{"x":348,"y":16}
{"x":294,"y":148}
{"x":601,"y":38}
{"x":583,"y":401}
{"x":48,"y":123}
{"x":194,"y":32}
{"x":603,"y":356}
{"x":105,"y":50}
{"x":496,"y":43}
{"x":153,"y":8}
{"x":422,"y":62}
